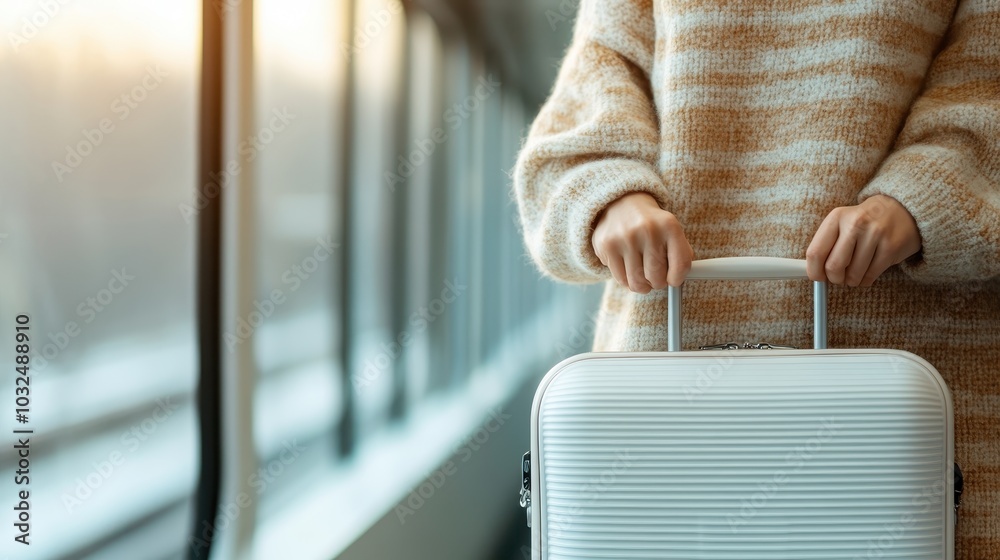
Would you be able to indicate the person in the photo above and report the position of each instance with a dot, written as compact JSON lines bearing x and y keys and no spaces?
{"x":862,"y":136}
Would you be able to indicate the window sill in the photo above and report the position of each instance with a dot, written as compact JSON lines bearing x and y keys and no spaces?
{"x":352,"y":497}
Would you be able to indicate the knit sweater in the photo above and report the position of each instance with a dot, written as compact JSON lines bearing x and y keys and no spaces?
{"x":751,"y":120}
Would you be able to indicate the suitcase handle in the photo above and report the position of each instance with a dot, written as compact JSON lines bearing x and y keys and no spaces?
{"x":747,"y":268}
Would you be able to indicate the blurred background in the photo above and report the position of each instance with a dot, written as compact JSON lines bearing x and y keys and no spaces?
{"x":358,"y":382}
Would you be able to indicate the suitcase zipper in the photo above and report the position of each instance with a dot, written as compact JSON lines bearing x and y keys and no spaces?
{"x":526,"y":485}
{"x":747,"y":346}
{"x":723,"y":346}
{"x":768,"y":346}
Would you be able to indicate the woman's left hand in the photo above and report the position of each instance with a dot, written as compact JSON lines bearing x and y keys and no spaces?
{"x":855,"y":244}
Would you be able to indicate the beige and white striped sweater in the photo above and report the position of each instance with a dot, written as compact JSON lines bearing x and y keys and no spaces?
{"x":751,"y":120}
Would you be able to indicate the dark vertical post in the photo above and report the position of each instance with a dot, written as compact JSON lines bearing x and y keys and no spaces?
{"x":209,"y":281}
{"x":342,"y":208}
{"x":400,"y":224}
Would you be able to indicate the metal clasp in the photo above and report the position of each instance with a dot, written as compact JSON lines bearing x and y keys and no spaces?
{"x":959,"y":486}
{"x":526,"y":485}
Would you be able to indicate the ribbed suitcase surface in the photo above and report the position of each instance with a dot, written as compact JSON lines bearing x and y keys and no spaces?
{"x":743,"y":455}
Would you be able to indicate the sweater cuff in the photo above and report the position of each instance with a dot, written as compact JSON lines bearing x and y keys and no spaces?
{"x":936,"y":193}
{"x":590,"y":189}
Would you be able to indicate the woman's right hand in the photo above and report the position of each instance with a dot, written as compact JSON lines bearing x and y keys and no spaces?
{"x":642,"y":244}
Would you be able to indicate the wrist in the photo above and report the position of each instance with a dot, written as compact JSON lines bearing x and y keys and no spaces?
{"x":637,"y":198}
{"x":893,"y":214}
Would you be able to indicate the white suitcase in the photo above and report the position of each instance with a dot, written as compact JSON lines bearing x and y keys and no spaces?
{"x":742,"y":454}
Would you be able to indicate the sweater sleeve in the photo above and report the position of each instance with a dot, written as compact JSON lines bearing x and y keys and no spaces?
{"x":595,"y":139}
{"x":945,"y":166}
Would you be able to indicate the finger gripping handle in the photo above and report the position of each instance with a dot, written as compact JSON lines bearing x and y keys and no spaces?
{"x":747,"y":268}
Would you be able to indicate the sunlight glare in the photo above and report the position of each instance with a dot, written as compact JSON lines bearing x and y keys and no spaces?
{"x":295,"y":34}
{"x":120,"y":30}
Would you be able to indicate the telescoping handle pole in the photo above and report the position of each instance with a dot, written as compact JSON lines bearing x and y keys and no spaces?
{"x":747,"y":268}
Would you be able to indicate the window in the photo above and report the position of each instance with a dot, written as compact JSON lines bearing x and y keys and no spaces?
{"x":379,"y":64}
{"x":494,"y":154}
{"x":515,"y":275}
{"x":423,"y":153}
{"x":455,"y":210}
{"x":399,"y":109}
{"x":97,"y":213}
{"x":299,"y":83}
